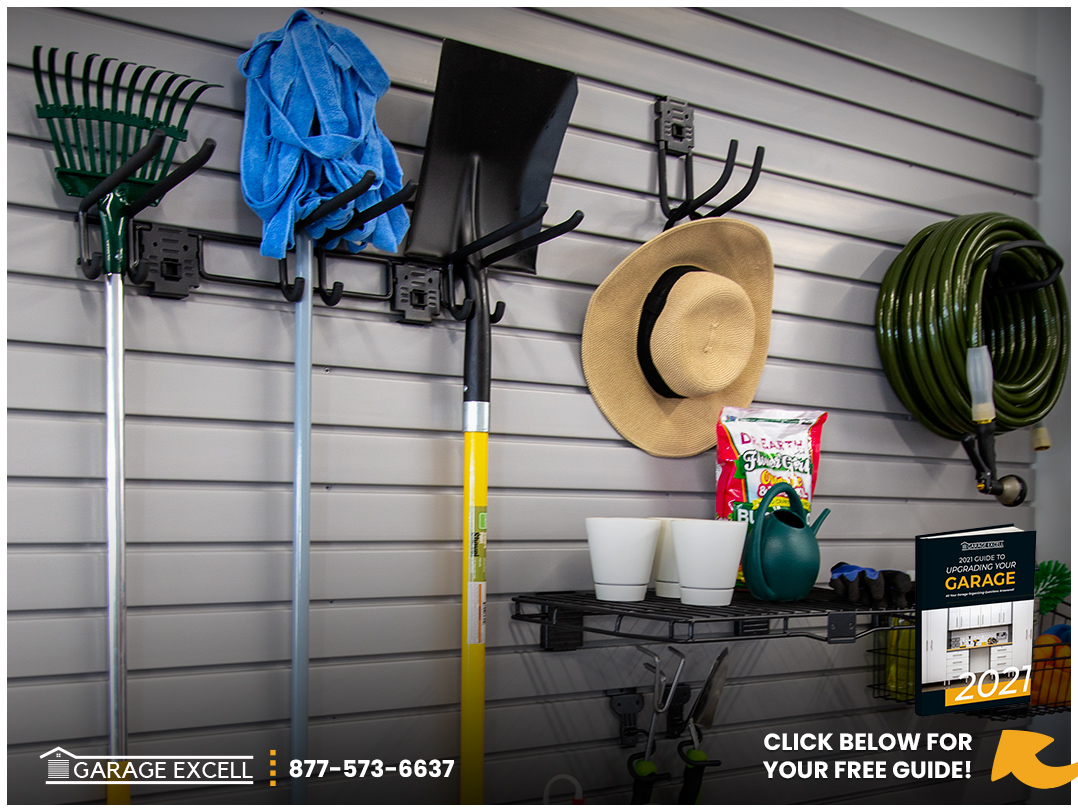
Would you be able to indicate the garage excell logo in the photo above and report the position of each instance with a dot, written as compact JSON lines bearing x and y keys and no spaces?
{"x":67,"y":768}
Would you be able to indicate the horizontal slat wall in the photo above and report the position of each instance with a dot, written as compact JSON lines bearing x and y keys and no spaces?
{"x":865,"y":146}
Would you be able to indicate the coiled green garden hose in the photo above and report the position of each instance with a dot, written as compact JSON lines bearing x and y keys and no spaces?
{"x":976,"y":280}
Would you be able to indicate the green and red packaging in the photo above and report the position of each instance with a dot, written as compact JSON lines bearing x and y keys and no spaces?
{"x":758,"y":448}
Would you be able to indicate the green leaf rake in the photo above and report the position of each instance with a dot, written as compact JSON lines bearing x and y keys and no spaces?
{"x":109,"y":129}
{"x":109,"y":122}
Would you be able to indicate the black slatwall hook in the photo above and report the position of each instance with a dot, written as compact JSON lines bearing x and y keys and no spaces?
{"x":293,"y":291}
{"x":750,"y":184}
{"x":674,"y":135}
{"x":462,"y":311}
{"x":465,"y":252}
{"x":541,"y":237}
{"x":336,"y":293}
{"x":368,"y":214}
{"x":174,"y":178}
{"x":690,"y":205}
{"x":333,"y":295}
{"x":342,"y":199}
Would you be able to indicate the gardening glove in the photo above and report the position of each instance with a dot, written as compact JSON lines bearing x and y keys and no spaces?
{"x":899,"y":592}
{"x":860,"y":585}
{"x":880,"y":589}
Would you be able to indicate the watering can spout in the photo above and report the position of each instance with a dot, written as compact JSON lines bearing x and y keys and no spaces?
{"x":816,"y":524}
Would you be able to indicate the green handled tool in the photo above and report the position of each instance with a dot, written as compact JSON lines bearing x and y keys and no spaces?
{"x":702,"y":716}
{"x":641,"y":767}
{"x":115,"y":134}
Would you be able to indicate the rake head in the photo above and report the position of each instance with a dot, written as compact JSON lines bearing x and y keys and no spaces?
{"x":105,"y":115}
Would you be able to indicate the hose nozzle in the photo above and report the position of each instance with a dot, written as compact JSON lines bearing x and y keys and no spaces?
{"x":980,"y":376}
{"x":980,"y":446}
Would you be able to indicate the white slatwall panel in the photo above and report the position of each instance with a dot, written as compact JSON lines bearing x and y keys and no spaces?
{"x":865,"y":145}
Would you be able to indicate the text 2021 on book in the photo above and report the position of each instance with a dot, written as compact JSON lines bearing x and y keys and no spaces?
{"x":975,"y":616}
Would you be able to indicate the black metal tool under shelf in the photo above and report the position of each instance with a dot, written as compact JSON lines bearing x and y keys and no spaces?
{"x":565,"y":616}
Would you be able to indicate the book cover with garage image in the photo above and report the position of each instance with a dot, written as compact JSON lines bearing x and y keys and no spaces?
{"x":975,"y":619}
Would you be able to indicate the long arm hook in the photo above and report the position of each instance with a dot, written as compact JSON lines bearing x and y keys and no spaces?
{"x":754,"y":176}
{"x":532,"y":217}
{"x":174,"y":179}
{"x":342,"y":199}
{"x":368,"y":214}
{"x":536,"y":239}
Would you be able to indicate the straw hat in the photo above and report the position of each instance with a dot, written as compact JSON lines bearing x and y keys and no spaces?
{"x":661,"y":374}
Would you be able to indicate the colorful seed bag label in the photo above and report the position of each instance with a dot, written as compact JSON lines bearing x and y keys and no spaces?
{"x":758,"y":448}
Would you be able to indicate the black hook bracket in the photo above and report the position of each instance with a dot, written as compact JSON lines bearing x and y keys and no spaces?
{"x":93,"y":264}
{"x":171,"y":259}
{"x":675,"y":135}
{"x":465,"y":260}
{"x":626,"y":703}
{"x":416,"y":292}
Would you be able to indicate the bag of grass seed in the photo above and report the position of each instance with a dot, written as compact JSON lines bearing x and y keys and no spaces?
{"x":758,"y":448}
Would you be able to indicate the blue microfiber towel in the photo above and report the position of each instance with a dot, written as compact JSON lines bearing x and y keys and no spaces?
{"x":309,"y":132}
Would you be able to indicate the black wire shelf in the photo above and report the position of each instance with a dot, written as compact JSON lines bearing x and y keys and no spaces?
{"x":566,"y":616}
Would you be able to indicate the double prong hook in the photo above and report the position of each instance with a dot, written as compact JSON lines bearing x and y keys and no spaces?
{"x":333,"y":295}
{"x":465,"y":257}
{"x":674,"y":135}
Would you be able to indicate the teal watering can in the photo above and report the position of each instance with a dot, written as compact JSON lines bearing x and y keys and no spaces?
{"x":782,"y":559}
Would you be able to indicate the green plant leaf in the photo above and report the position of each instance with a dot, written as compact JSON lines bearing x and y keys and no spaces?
{"x":1052,"y":584}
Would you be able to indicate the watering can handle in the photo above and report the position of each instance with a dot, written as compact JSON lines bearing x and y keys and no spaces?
{"x":755,"y":550}
{"x":796,"y":505}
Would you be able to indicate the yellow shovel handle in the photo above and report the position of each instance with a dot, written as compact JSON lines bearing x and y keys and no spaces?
{"x":473,"y":618}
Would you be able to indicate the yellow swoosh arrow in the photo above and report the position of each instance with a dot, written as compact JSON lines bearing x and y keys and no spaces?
{"x":1017,"y":754}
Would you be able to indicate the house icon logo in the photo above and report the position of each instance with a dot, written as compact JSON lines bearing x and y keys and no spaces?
{"x":64,"y":767}
{"x":59,"y":763}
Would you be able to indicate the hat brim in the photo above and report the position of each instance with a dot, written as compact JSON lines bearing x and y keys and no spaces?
{"x":661,"y":426}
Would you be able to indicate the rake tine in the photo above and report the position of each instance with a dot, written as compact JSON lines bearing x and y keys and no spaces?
{"x":166,"y":121}
{"x":164,"y":92}
{"x":132,"y":90}
{"x":107,"y":164}
{"x":161,"y":94}
{"x":39,"y":80}
{"x":116,"y":79}
{"x":181,"y":124}
{"x":174,"y":98}
{"x":78,"y":156}
{"x":145,"y":101}
{"x":69,"y":82}
{"x":132,"y":86}
{"x":100,"y":142}
{"x":146,"y":91}
{"x":86,"y":68}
